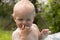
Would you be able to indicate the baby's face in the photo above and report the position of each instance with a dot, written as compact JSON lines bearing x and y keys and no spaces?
{"x":26,"y":21}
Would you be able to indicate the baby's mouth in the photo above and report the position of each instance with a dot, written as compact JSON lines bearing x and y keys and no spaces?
{"x":25,"y":25}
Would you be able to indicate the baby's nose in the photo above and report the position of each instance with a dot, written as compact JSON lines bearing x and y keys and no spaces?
{"x":24,"y":22}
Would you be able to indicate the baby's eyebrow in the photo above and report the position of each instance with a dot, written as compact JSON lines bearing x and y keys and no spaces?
{"x":24,"y":18}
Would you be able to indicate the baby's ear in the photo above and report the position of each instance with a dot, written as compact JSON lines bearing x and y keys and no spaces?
{"x":14,"y":17}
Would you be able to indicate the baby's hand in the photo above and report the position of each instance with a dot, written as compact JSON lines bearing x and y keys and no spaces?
{"x":25,"y":30}
{"x":45,"y":33}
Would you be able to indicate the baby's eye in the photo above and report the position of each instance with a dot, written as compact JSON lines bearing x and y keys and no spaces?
{"x":20,"y":19}
{"x":28,"y":19}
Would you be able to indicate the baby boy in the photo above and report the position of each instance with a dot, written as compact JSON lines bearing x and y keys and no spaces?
{"x":23,"y":15}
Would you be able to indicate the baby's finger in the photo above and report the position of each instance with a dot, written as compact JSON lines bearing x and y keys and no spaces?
{"x":45,"y":31}
{"x":23,"y":27}
{"x":27,"y":28}
{"x":20,"y":26}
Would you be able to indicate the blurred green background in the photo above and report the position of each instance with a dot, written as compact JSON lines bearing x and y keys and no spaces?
{"x":47,"y":16}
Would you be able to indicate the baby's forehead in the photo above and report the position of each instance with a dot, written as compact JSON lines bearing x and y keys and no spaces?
{"x":24,"y":17}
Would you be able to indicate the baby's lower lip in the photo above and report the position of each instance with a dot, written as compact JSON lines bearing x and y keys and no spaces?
{"x":26,"y":25}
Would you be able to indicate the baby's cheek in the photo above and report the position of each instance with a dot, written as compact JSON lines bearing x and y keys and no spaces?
{"x":29,"y":24}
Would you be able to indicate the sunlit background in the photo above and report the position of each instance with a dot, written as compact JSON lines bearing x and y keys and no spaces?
{"x":47,"y":16}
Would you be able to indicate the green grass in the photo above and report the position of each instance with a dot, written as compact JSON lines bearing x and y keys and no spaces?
{"x":3,"y":22}
{"x":5,"y":35}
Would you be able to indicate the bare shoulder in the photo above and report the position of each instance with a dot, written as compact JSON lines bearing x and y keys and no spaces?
{"x":35,"y":27}
{"x":34,"y":24}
